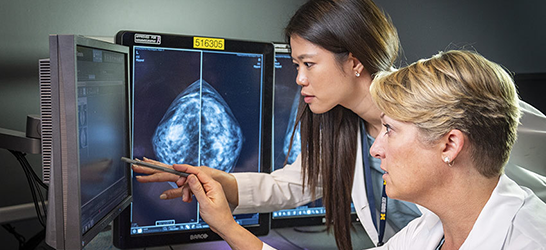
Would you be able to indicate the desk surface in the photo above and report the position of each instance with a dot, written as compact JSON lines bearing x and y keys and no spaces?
{"x":280,"y":238}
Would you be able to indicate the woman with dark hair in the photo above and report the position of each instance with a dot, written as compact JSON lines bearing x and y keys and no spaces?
{"x":337,"y":45}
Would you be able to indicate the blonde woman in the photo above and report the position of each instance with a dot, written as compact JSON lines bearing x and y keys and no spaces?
{"x":449,"y":123}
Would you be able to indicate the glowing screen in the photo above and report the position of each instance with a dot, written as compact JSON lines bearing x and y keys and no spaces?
{"x":194,"y":107}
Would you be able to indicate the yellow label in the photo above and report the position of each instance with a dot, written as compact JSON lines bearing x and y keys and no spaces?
{"x":208,"y":43}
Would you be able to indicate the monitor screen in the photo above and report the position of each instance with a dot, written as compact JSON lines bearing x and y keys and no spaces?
{"x":198,"y":101}
{"x":85,"y":132}
{"x":287,"y":96}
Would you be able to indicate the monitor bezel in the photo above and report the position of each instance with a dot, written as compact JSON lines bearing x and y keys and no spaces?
{"x":121,"y":230}
{"x":64,"y":225}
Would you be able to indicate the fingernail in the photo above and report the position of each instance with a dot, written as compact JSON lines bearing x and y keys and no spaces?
{"x":163,"y":196}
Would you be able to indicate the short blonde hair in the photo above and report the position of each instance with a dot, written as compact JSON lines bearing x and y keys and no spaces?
{"x":455,"y":90}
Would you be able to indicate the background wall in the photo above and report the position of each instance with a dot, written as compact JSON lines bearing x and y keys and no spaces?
{"x":26,"y":24}
{"x":511,"y":33}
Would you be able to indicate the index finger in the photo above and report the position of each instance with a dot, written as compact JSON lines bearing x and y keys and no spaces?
{"x":187,"y":168}
{"x":201,"y":175}
{"x":146,"y":170}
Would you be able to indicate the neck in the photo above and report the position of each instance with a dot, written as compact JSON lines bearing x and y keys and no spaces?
{"x":373,"y":127}
{"x":360,"y":102}
{"x":468,"y":194}
{"x":371,"y":116}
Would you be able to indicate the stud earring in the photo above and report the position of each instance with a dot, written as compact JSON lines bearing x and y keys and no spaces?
{"x":357,"y":74}
{"x":448,"y":161}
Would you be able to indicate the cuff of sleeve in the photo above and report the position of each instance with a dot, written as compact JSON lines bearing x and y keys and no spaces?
{"x":267,"y":247}
{"x":246,"y":198}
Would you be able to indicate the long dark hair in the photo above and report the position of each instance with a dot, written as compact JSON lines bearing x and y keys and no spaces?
{"x":329,"y":140}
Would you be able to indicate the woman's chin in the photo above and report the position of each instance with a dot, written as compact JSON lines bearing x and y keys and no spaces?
{"x":391,"y":193}
{"x":318,"y":110}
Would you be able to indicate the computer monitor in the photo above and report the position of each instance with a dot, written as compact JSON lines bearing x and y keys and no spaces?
{"x":84,"y":105}
{"x":199,"y":101}
{"x":287,"y":95}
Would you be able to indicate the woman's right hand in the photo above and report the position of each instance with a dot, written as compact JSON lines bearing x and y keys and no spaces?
{"x":215,"y":211}
{"x":228,"y":181}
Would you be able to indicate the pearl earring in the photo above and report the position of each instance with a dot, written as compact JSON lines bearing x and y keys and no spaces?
{"x":448,"y":161}
{"x":357,"y":74}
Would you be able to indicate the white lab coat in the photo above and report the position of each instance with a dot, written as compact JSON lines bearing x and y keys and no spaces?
{"x":282,"y":189}
{"x":512,"y":218}
{"x":527,"y":164}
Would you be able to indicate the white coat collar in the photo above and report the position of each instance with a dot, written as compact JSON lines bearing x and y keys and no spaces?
{"x":360,"y":201}
{"x":505,"y":201}
{"x":494,"y":220}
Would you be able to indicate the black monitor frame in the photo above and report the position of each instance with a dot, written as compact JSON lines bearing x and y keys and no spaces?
{"x":122,"y":237}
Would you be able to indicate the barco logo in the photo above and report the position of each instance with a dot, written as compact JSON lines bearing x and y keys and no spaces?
{"x":199,"y":236}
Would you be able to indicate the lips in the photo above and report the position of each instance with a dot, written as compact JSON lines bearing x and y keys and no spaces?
{"x":307,"y":98}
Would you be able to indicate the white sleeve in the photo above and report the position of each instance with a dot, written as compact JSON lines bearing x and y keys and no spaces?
{"x":267,"y":247}
{"x":260,"y":192}
{"x":527,"y":164}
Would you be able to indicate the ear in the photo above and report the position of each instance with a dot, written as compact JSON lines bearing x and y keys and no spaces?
{"x":452,"y":144}
{"x":356,"y":65}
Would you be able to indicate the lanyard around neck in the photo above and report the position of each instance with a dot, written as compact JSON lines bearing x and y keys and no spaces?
{"x":369,"y":187}
{"x":441,"y":243}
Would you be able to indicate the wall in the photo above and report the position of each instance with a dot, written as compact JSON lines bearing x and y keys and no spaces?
{"x":25,"y":28}
{"x":511,"y":33}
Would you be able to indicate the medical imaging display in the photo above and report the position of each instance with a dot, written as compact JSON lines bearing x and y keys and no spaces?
{"x":287,"y":96}
{"x":195,"y":107}
{"x":102,"y":131}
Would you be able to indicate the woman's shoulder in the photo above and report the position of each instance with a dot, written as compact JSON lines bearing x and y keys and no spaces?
{"x":529,"y":224}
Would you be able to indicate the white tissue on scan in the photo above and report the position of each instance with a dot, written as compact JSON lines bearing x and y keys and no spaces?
{"x":199,"y":129}
{"x":296,"y":145}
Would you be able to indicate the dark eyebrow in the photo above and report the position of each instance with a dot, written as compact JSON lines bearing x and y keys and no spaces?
{"x":303,"y":56}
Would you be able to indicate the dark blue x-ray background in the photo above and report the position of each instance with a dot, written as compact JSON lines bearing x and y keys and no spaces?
{"x":287,"y":94}
{"x":160,"y":75}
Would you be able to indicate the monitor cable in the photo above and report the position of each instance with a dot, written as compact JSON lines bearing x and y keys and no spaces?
{"x":34,"y":183}
{"x":20,"y":238}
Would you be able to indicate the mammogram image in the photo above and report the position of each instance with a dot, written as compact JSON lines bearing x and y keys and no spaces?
{"x":199,"y":128}
{"x":296,"y":144}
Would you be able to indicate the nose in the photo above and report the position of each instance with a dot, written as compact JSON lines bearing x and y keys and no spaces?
{"x":301,"y":79}
{"x":376,"y":150}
